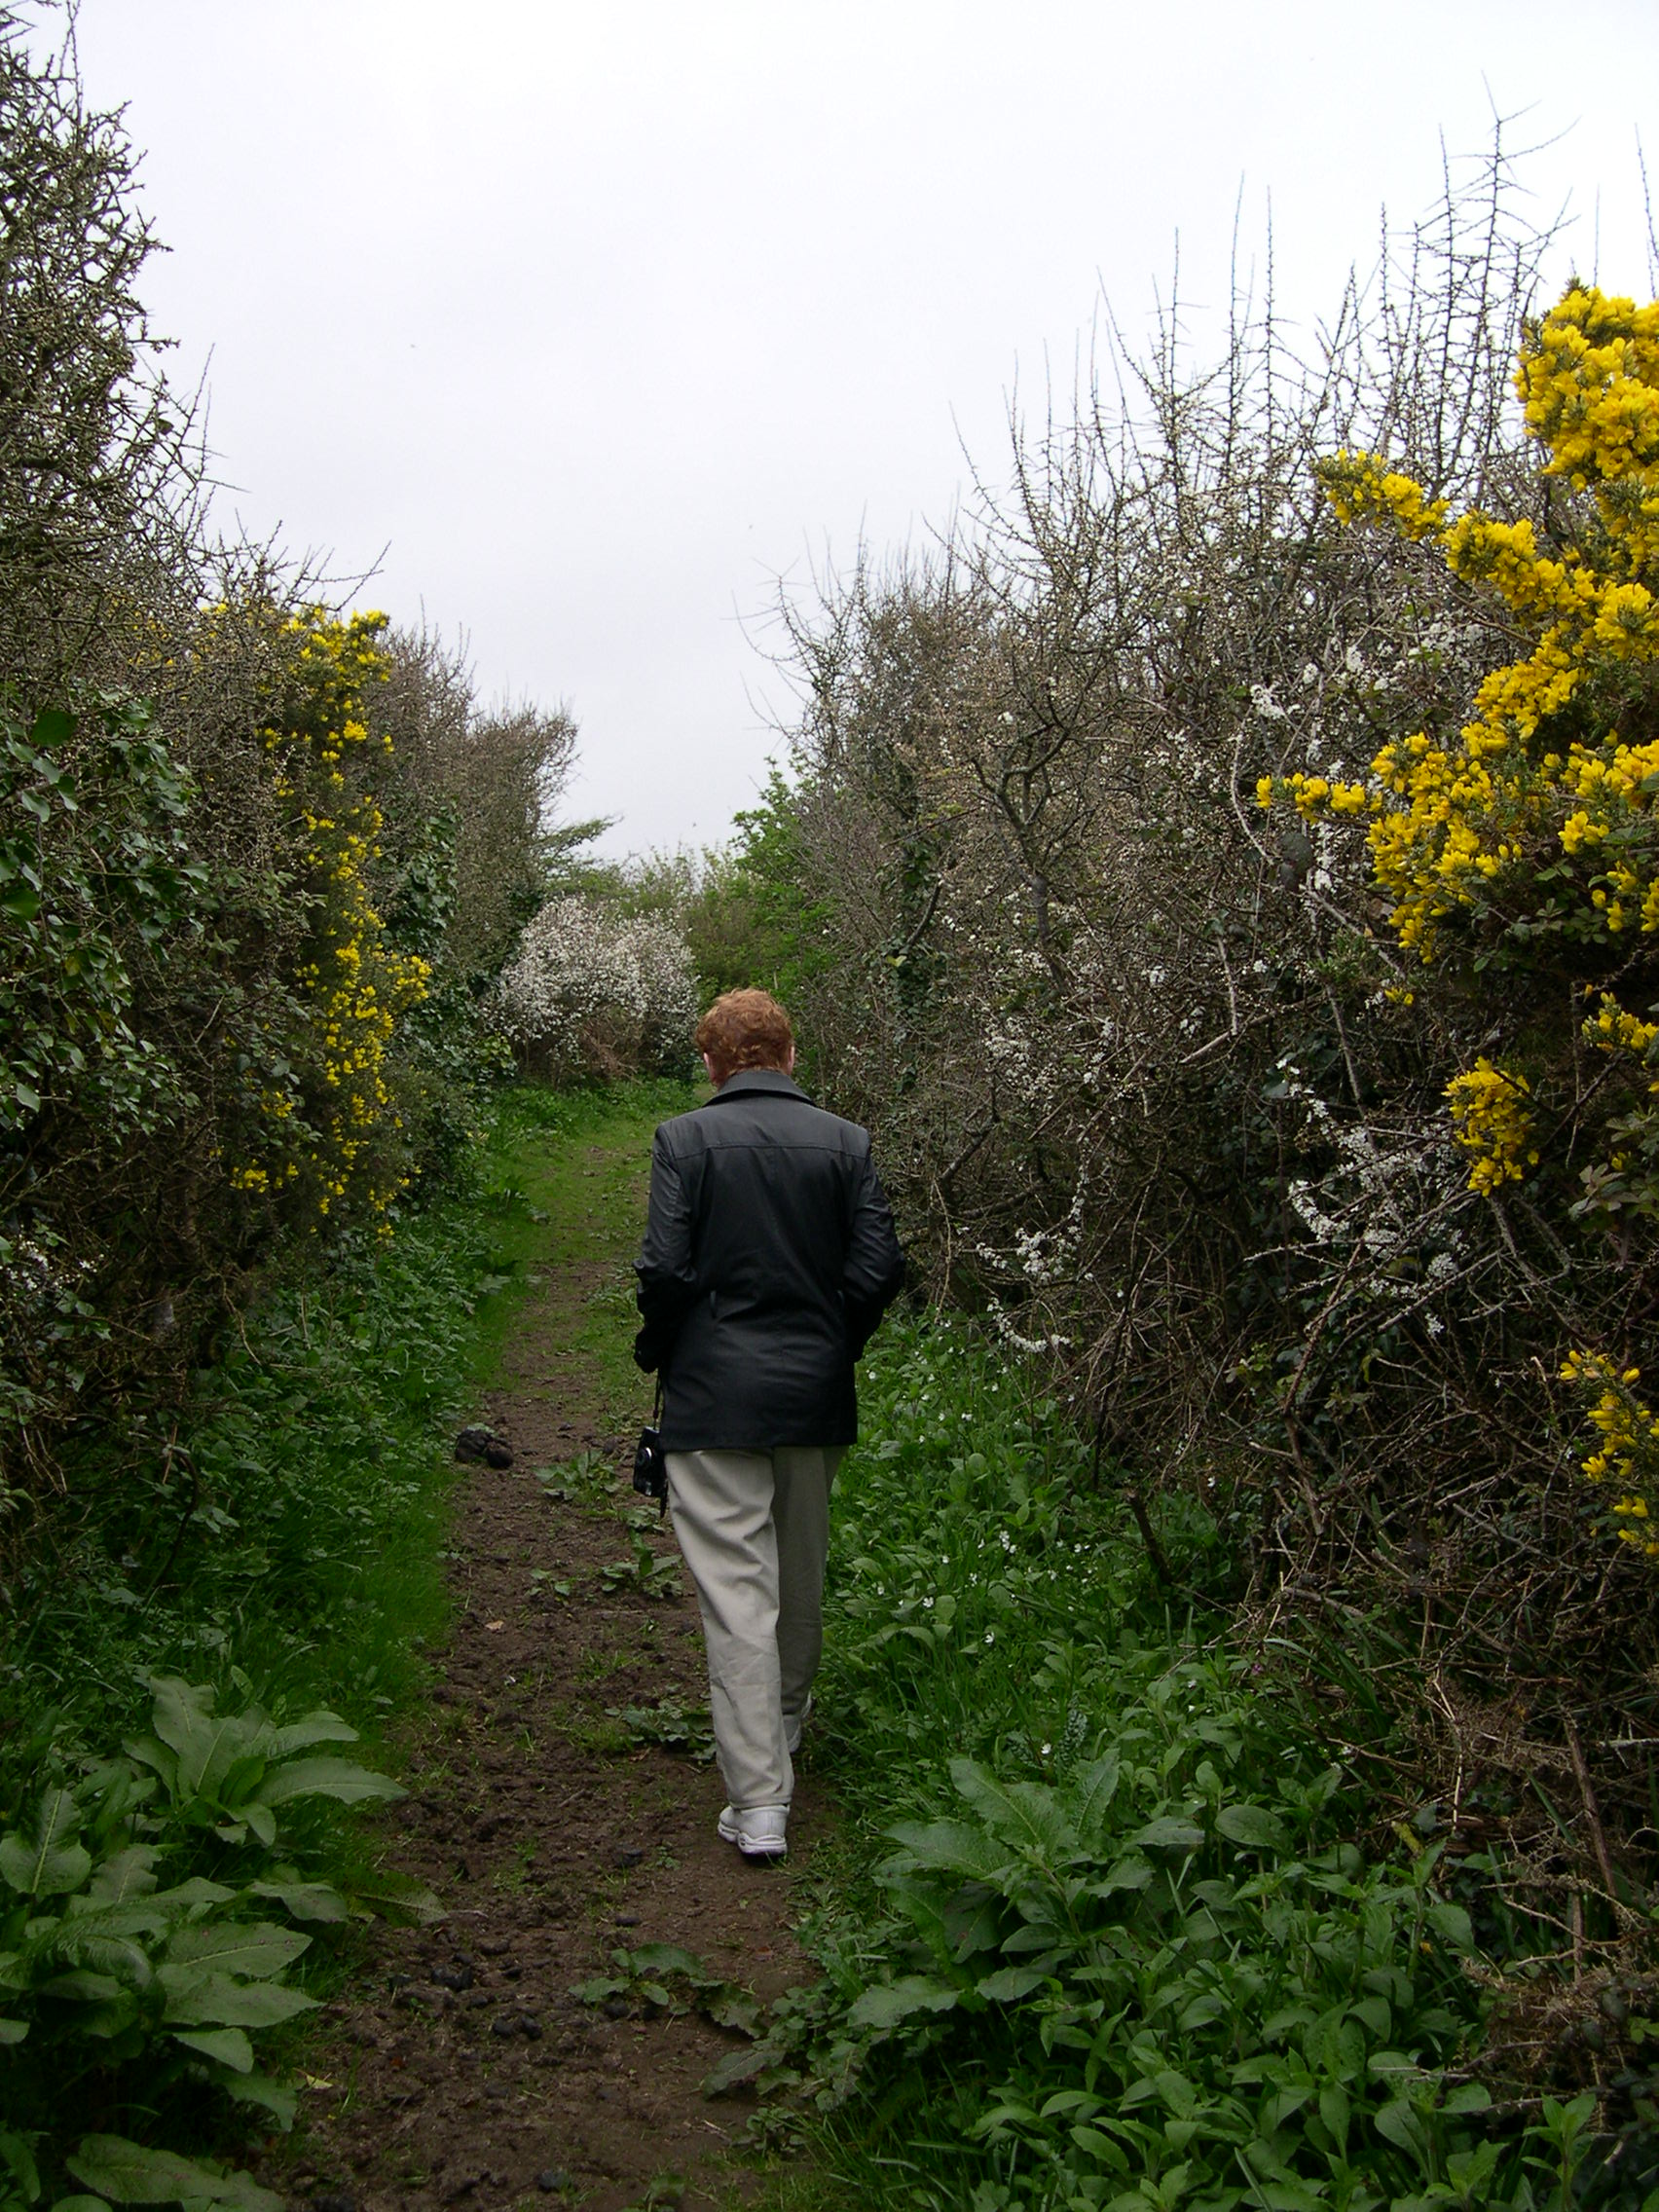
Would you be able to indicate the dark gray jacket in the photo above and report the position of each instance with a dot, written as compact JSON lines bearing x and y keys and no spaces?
{"x":769,"y":1258}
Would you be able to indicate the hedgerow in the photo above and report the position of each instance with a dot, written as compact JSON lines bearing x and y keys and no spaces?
{"x":1348,"y":1242}
{"x":246,"y":925}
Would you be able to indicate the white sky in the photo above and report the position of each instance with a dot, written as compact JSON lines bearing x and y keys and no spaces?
{"x":596,"y":316}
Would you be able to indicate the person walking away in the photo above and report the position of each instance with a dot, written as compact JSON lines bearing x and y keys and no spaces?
{"x":769,"y":1257}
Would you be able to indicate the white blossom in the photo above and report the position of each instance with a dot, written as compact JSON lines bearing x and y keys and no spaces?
{"x":592,"y":992}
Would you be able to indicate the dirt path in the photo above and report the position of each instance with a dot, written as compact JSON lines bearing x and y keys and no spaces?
{"x":463,"y":2072}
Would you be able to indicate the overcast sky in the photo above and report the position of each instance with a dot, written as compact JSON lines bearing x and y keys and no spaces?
{"x":588,"y":320}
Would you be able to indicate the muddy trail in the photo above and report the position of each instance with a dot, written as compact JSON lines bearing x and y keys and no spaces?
{"x":459,"y":2068}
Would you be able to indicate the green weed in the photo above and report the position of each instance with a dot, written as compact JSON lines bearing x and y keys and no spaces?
{"x":672,"y":1724}
{"x":121,"y":1992}
{"x":1101,"y":1936}
{"x":276,"y":1549}
{"x":652,"y":1575}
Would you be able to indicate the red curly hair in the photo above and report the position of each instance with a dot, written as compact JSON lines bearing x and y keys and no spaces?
{"x":745,"y":1029}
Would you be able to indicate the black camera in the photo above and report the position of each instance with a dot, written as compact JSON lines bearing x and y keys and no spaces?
{"x":651,"y":1468}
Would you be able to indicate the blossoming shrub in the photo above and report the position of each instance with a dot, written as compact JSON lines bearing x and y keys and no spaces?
{"x":1305,"y":1224}
{"x":594,"y":993}
{"x":1523,"y":852}
{"x":330,"y":1119}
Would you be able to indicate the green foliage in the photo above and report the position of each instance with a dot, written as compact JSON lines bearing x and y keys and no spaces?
{"x":743,"y":907}
{"x":163,"y":1834}
{"x":1110,"y":1931}
{"x":281,"y":1520}
{"x":649,"y":1573}
{"x":771,"y":882}
{"x":661,"y":1977}
{"x":95,"y":855}
{"x":242,"y":839}
{"x":130,"y":1978}
{"x":671,"y":1723}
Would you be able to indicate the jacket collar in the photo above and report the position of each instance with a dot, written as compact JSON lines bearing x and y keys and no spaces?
{"x":748,"y":1081}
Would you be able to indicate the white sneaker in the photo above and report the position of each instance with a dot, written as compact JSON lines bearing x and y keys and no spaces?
{"x":758,"y":1830}
{"x":793,"y":1723}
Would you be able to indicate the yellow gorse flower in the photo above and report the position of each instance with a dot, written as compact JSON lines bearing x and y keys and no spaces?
{"x":1448,"y":821}
{"x":357,"y":984}
{"x":1489,"y":1112}
{"x":1451,"y":824}
{"x":1626,"y":1456}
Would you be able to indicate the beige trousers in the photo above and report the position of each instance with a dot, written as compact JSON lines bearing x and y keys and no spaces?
{"x":755,"y":1529}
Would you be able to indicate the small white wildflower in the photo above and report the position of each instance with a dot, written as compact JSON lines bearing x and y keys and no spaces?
{"x":1046,"y":1749}
{"x":990,"y":1635}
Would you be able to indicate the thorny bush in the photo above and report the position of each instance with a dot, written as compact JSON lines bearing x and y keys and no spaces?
{"x":594,"y":992}
{"x":1157,"y":1083}
{"x":245,"y":920}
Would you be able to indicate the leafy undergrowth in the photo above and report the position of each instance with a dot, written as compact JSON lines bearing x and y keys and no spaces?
{"x":1102,"y":1932}
{"x":228,"y":1605}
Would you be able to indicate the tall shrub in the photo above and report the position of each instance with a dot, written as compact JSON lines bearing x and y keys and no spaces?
{"x":1159,"y":1082}
{"x":596,"y":992}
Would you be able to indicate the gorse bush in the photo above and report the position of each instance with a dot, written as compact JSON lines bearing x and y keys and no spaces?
{"x":246,"y":918}
{"x":1519,"y":860}
{"x":1161,"y":1080}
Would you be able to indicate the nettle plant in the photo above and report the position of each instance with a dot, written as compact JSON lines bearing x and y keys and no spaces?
{"x":117,"y":1985}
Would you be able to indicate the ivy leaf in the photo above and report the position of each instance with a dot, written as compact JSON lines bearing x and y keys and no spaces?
{"x":52,"y":726}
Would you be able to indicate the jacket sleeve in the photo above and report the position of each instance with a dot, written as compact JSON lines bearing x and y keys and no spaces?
{"x":874,"y":1272}
{"x":666,"y":1268}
